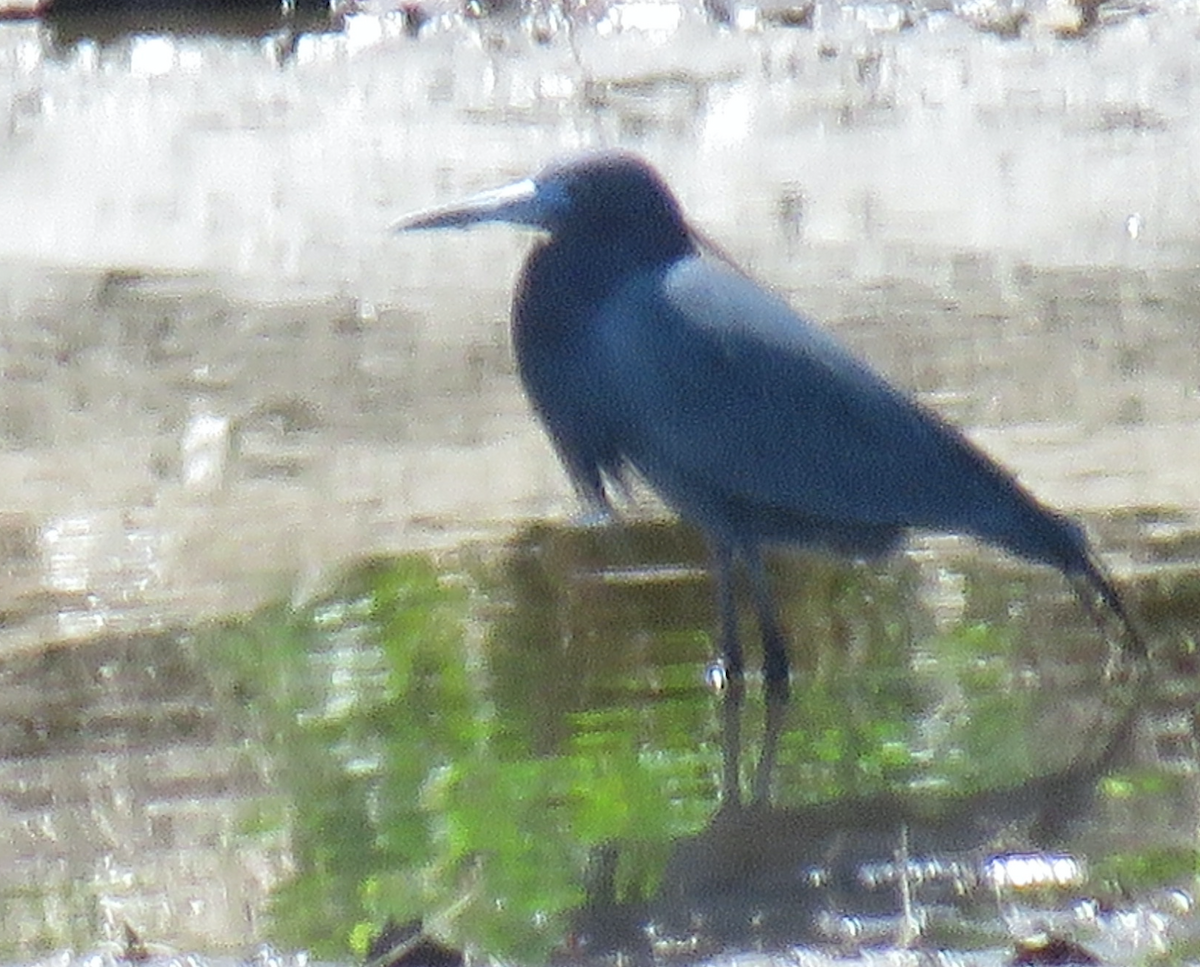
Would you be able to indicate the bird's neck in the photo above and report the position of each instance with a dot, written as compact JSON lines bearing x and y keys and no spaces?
{"x":565,"y":278}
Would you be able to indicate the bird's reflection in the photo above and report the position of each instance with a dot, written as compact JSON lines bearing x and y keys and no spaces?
{"x":765,"y":876}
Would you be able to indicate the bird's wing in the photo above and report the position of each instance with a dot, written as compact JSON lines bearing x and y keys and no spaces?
{"x":724,"y":387}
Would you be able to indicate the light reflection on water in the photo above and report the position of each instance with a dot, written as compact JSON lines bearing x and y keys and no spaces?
{"x":311,"y":753}
{"x":223,"y":378}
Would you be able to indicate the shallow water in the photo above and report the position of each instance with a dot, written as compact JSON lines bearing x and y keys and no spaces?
{"x":225,"y":381}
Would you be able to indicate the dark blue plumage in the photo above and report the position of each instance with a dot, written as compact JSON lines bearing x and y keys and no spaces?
{"x":643,"y":351}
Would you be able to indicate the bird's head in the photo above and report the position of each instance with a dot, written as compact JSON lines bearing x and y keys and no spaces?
{"x":608,"y":196}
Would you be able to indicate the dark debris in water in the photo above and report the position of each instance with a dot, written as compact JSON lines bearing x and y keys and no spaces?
{"x":73,"y":20}
{"x":407,"y":945}
{"x":1050,"y":950}
{"x":136,"y":951}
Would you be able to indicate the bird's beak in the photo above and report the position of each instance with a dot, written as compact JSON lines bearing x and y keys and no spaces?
{"x":517,"y":204}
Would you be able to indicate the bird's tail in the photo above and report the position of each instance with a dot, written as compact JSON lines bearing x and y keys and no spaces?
{"x":1070,"y":550}
{"x":1043,"y":534}
{"x":1092,"y":581}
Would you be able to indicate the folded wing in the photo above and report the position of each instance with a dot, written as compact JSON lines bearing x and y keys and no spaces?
{"x":725,"y":390}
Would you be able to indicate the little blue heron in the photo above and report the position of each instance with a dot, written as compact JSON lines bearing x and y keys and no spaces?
{"x":644,"y":350}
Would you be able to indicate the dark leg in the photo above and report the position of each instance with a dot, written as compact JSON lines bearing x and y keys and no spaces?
{"x":731,"y":646}
{"x":777,"y":698}
{"x":731,"y":744}
{"x":775,"y":658}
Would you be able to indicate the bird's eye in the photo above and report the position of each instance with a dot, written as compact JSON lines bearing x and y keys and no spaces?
{"x":554,"y":198}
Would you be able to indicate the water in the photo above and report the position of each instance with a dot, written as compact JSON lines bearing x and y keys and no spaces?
{"x":226,"y":382}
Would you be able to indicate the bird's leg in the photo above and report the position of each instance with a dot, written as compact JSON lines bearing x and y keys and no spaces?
{"x":773,"y":722}
{"x":775,"y":657}
{"x":731,"y":743}
{"x":731,"y":646}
